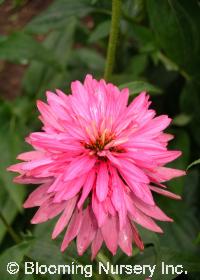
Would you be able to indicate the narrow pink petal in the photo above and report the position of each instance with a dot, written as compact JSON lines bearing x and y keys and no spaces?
{"x":162,"y":174}
{"x":48,"y":116}
{"x":47,"y":211}
{"x":65,"y":217}
{"x":32,"y":155}
{"x":165,"y":157}
{"x":132,"y":172}
{"x":155,"y":126}
{"x":137,"y":238}
{"x":98,"y":210}
{"x":36,"y":163}
{"x":152,"y":211}
{"x":78,"y":167}
{"x":140,"y":218}
{"x":73,"y":229}
{"x":110,"y":232}
{"x":142,"y":191}
{"x":118,"y":197}
{"x":165,"y":137}
{"x":125,"y":239}
{"x":138,"y":103}
{"x":96,"y":243}
{"x":56,"y":184}
{"x":87,"y":187}
{"x":18,"y":167}
{"x":24,"y":179}
{"x":70,"y":189}
{"x":145,"y":221}
{"x":144,"y":144}
{"x":165,"y":193}
{"x":102,"y":182}
{"x":113,"y":159}
{"x":109,"y":207}
{"x":38,"y":196}
{"x":87,"y":231}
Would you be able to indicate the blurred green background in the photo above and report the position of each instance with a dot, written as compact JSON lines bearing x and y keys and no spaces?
{"x":45,"y":45}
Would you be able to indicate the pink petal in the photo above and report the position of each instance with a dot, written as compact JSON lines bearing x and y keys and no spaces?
{"x":96,"y":243}
{"x":102,"y":182}
{"x":142,"y":191}
{"x":48,"y":116}
{"x":32,"y":155}
{"x":87,"y":231}
{"x":111,"y":240}
{"x":165,"y":193}
{"x":47,"y":211}
{"x":132,"y":172}
{"x":125,"y":239}
{"x":87,"y":187}
{"x":165,"y":157}
{"x":137,"y":238}
{"x":162,"y":174}
{"x":98,"y":210}
{"x":155,"y":126}
{"x":152,"y":211}
{"x":118,"y":198}
{"x":65,"y":217}
{"x":78,"y":167}
{"x":38,"y":196}
{"x":73,"y":229}
{"x":70,"y":189}
{"x":140,"y":218}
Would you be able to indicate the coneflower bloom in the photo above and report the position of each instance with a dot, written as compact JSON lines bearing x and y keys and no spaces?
{"x":97,"y":161}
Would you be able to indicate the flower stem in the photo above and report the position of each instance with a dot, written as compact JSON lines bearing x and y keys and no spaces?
{"x":102,"y":258}
{"x":112,"y":44}
{"x":10,"y":230}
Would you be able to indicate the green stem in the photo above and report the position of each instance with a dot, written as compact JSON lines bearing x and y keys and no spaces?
{"x":112,"y":44}
{"x":102,"y":258}
{"x":10,"y":230}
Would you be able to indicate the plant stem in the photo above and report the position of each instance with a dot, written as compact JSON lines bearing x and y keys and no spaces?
{"x":10,"y":230}
{"x":112,"y":44}
{"x":102,"y":258}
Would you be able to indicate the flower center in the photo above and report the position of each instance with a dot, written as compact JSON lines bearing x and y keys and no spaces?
{"x":99,"y":144}
{"x":103,"y":144}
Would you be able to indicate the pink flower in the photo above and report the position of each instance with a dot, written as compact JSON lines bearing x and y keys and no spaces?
{"x":98,"y":161}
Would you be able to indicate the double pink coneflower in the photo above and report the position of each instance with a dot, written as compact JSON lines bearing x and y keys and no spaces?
{"x":97,"y":161}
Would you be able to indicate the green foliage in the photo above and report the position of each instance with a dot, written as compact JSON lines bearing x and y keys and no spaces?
{"x":58,"y":15}
{"x":139,"y":86}
{"x":14,"y":254}
{"x":193,"y":163}
{"x":101,"y":31}
{"x":20,"y":47}
{"x":158,"y":52}
{"x":176,"y":29}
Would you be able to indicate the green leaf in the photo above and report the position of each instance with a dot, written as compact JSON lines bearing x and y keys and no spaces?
{"x":144,"y":38}
{"x":11,"y":143}
{"x":181,"y":120}
{"x":14,"y":254}
{"x":58,"y":14}
{"x":101,"y":31}
{"x":39,"y":77}
{"x":139,"y":86}
{"x":189,"y":104}
{"x":137,"y":65}
{"x":89,"y":57}
{"x":193,"y":163}
{"x":176,"y":29}
{"x":190,"y":263}
{"x":21,"y":48}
